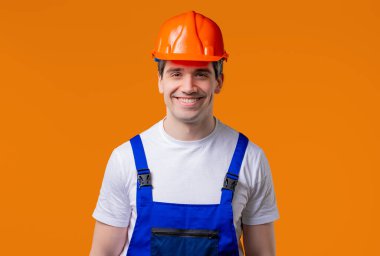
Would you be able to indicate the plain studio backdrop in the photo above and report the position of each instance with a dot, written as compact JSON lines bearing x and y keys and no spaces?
{"x":302,"y":82}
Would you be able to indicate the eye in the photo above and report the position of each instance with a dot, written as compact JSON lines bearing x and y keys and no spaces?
{"x":201,"y":74}
{"x":175,"y":74}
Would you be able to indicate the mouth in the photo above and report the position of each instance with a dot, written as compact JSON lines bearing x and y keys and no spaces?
{"x":188,"y":101}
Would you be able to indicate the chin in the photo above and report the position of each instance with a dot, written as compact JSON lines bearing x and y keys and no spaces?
{"x":187,"y":118}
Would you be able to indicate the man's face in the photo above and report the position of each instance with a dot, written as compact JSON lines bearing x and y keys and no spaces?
{"x":188,"y":88}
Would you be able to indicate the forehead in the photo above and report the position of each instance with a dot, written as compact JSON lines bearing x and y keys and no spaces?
{"x":184,"y":64}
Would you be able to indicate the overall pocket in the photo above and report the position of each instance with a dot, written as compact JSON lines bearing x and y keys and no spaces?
{"x":184,"y":242}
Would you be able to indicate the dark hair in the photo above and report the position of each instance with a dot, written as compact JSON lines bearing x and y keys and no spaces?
{"x":217,"y":65}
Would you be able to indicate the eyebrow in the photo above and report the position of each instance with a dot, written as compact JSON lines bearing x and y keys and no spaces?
{"x":203,"y":70}
{"x":181,"y":69}
{"x":173,"y":70}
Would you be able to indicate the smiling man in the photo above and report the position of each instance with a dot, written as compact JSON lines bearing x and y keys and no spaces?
{"x":189,"y":185}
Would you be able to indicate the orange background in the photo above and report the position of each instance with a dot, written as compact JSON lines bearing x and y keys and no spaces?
{"x":302,"y":82}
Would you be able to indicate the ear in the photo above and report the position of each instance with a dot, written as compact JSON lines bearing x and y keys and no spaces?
{"x":219,"y":85}
{"x":160,"y":85}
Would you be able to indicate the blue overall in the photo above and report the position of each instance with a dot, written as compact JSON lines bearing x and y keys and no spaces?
{"x":183,"y":229}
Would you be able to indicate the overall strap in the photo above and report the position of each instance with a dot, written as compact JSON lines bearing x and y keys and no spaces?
{"x":232,"y":175}
{"x":144,"y":183}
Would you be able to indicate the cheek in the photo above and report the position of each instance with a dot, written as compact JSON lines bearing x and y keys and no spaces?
{"x":167,"y":95}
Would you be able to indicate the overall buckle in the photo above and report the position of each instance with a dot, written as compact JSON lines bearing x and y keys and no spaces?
{"x":230,"y":181}
{"x":144,"y":180}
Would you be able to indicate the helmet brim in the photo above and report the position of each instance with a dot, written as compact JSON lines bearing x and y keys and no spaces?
{"x":190,"y":57}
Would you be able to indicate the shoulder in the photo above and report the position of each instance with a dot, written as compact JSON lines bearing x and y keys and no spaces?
{"x":253,"y":151}
{"x":125,"y":148}
{"x":255,"y":165}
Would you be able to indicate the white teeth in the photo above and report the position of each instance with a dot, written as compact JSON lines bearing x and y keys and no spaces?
{"x":188,"y":100}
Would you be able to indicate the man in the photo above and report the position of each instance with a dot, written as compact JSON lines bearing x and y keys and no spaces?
{"x":189,"y":185}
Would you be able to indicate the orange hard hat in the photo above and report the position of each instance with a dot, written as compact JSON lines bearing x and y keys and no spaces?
{"x":190,"y":36}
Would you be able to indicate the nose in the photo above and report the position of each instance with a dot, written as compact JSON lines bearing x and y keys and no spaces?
{"x":188,"y":86}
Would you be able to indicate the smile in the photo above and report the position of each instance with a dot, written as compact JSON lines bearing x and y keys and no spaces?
{"x":188,"y":101}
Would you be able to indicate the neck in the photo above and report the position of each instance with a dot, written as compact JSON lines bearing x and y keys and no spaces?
{"x":189,"y":131}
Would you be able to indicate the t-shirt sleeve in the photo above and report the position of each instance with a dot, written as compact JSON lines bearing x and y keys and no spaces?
{"x":113,"y":206}
{"x":261,"y":206}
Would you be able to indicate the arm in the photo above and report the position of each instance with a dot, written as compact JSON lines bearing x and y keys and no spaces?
{"x":259,"y":240}
{"x":108,"y":240}
{"x":113,"y":210}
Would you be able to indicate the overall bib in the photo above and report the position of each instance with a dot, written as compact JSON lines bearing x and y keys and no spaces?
{"x":165,"y":229}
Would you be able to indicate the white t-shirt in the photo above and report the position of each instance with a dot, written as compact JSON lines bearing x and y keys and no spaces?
{"x":187,"y":172}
